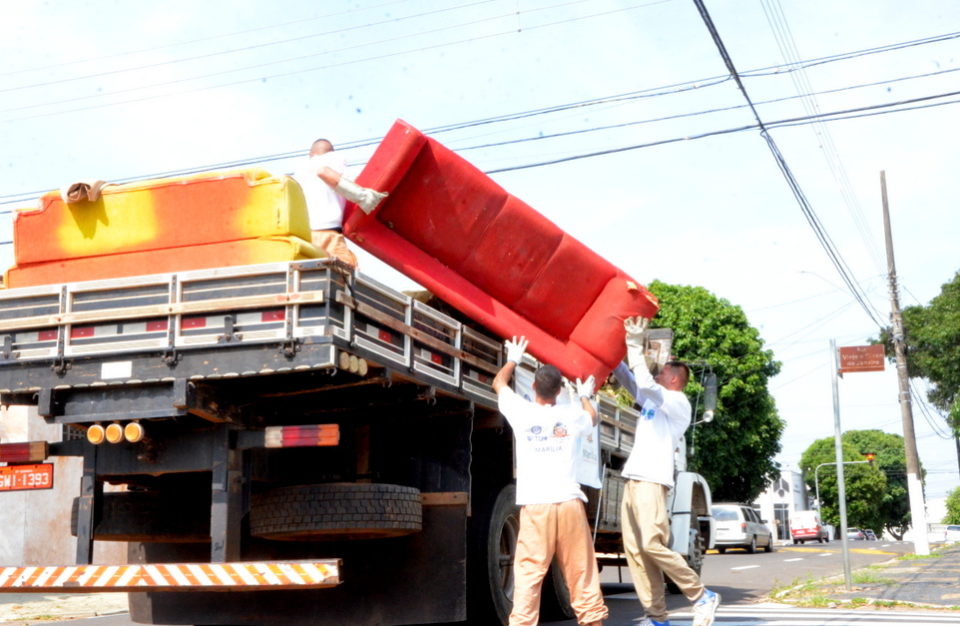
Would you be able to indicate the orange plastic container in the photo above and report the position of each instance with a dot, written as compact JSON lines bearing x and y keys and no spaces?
{"x":207,"y":220}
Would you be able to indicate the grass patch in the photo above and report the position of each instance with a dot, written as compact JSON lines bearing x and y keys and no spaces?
{"x":861,"y":577}
{"x":818,"y":602}
{"x":798,"y":586}
{"x":919,"y":557}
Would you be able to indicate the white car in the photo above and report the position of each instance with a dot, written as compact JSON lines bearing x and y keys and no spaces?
{"x":952,"y":533}
{"x":740,"y":526}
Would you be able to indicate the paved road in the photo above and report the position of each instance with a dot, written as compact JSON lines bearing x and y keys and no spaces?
{"x":743,"y":579}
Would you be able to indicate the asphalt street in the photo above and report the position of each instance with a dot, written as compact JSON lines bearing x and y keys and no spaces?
{"x":794,"y":585}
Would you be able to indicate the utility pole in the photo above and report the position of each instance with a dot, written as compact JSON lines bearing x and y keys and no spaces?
{"x":918,"y":513}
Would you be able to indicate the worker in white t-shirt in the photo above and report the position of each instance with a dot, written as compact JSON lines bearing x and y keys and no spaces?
{"x":644,"y":519}
{"x":326,"y":190}
{"x":553,"y":518}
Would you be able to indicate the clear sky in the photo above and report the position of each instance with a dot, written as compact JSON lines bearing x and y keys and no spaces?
{"x":119,"y":90}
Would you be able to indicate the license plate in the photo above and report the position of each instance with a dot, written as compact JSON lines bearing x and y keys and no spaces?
{"x":22,"y":477}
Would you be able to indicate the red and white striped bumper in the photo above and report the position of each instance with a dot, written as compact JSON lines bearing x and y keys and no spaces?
{"x":172,"y":577}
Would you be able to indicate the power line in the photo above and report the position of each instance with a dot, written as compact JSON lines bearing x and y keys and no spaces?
{"x":846,"y":114}
{"x":44,"y":68}
{"x":794,"y":121}
{"x":791,"y":56}
{"x":338,"y":49}
{"x":843,"y":56}
{"x":931,"y":420}
{"x":250,"y":47}
{"x":826,"y":242}
{"x":770,"y":70}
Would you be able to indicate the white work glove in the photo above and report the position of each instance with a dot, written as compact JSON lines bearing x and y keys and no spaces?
{"x":585,"y":387}
{"x":636,"y":328}
{"x":364,"y":197}
{"x":515,"y":349}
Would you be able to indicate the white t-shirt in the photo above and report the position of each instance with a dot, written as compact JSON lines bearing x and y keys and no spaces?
{"x":324,"y":205}
{"x":664,"y":417}
{"x":546,"y":437}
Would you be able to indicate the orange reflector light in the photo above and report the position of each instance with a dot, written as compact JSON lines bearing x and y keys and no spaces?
{"x":133,"y":432}
{"x":114,"y":433}
{"x":95,"y":434}
{"x":26,"y":452}
{"x":302,"y":436}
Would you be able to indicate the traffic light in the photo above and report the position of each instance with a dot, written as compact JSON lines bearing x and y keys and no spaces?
{"x":870,"y":456}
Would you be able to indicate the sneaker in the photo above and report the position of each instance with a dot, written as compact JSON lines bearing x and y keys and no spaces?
{"x":705,"y":608}
{"x":650,"y":622}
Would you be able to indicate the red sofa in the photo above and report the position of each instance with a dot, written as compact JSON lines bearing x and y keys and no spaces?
{"x":450,"y":228}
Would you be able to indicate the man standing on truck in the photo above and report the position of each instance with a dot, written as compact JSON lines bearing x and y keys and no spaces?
{"x":645,"y":521}
{"x":553,"y":518}
{"x":326,"y":190}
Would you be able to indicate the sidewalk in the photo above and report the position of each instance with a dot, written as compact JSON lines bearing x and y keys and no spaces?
{"x":32,"y":608}
{"x":923,"y":582}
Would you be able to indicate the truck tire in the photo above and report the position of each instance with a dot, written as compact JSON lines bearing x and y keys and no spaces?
{"x":493,"y":544}
{"x":555,"y":597}
{"x":493,"y":548}
{"x":694,"y":560}
{"x":147,"y":516}
{"x":336,"y":511}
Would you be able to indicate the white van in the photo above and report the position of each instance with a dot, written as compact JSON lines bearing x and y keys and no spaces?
{"x":806,"y":526}
{"x":740,"y":526}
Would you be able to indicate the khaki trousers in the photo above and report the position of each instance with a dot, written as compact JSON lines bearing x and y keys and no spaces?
{"x":645,"y":525}
{"x":556,"y":529}
{"x":334,"y":245}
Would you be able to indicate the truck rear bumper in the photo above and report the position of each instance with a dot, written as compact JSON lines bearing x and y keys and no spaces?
{"x":251,"y":575}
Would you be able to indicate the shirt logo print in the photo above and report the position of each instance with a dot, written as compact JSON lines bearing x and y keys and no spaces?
{"x":535,"y":433}
{"x":647,"y":414}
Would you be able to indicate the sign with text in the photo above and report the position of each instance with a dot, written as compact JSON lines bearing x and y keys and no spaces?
{"x":861,"y":358}
{"x":20,"y":477}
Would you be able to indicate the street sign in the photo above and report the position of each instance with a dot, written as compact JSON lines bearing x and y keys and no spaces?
{"x":861,"y":358}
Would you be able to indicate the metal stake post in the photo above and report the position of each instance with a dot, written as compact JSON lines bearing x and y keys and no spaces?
{"x":841,"y":489}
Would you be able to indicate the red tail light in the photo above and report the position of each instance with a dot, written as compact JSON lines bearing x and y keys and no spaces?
{"x":302,"y":436}
{"x":27,"y":452}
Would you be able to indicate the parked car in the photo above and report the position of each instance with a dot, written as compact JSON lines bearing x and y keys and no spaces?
{"x":952,"y":533}
{"x":856,"y":534}
{"x":806,"y":526}
{"x":740,"y":526}
{"x":869,"y":534}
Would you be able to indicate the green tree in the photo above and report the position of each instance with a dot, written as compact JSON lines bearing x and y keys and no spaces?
{"x":876,"y":493}
{"x":890,"y":458}
{"x":932,"y":336}
{"x":735,"y":452}
{"x":953,"y":507}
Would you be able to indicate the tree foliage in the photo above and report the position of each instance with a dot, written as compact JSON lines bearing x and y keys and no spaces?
{"x":932,"y":337}
{"x":876,"y":493}
{"x":735,"y":452}
{"x":953,"y":507}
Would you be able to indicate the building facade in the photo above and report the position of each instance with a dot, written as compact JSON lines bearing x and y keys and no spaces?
{"x":782,"y":497}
